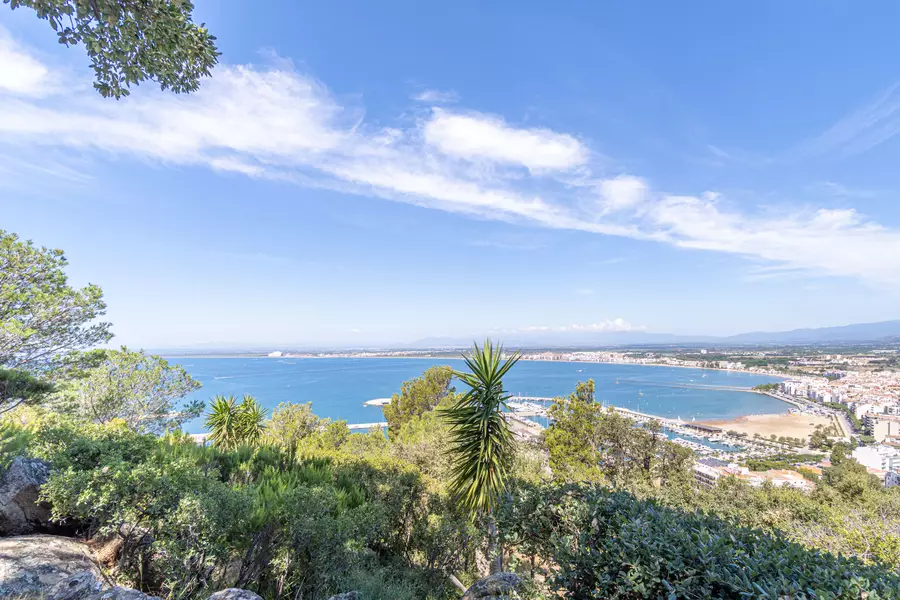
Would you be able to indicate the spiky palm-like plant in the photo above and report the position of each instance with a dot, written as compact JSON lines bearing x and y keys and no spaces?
{"x":252,"y":420}
{"x":232,"y":424}
{"x":482,"y":443}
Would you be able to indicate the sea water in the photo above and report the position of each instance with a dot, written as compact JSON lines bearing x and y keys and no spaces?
{"x":337,"y":387}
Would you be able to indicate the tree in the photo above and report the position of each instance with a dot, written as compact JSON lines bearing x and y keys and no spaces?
{"x":589,"y":443}
{"x":130,"y":41}
{"x":138,"y":388}
{"x":43,"y":320}
{"x":18,"y":387}
{"x":232,"y":424}
{"x":851,"y":479}
{"x":482,"y":445}
{"x":572,"y":437}
{"x":292,"y":423}
{"x":418,"y":396}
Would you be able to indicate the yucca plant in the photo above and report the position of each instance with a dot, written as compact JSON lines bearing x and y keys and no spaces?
{"x":232,"y":424}
{"x":482,"y":443}
{"x":251,"y":422}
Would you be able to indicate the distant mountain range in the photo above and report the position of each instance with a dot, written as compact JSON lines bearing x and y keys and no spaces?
{"x":860,"y":332}
{"x":884,"y":331}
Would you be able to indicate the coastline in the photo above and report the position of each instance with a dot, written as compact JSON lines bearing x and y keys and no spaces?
{"x":574,"y":362}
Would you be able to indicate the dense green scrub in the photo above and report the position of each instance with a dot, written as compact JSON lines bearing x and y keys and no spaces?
{"x":325,"y":511}
{"x":301,"y":523}
{"x":596,"y":543}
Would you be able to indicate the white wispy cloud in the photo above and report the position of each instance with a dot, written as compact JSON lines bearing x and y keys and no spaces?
{"x":437,"y":97}
{"x":20,"y":72}
{"x":839,"y":190}
{"x":479,"y":136}
{"x":622,"y":192}
{"x":859,"y":131}
{"x":276,"y":122}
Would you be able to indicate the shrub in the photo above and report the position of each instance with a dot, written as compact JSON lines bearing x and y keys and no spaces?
{"x":607,"y":544}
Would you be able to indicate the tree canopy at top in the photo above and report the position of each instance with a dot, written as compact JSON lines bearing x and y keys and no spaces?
{"x":130,"y":41}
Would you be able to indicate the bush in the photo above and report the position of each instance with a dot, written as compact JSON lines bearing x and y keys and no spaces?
{"x":287,"y":523}
{"x":605,"y":544}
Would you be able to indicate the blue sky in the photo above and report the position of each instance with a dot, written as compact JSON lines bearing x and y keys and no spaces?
{"x":362,"y":173}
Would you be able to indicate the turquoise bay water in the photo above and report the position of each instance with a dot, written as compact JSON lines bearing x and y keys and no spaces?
{"x":337,"y":387}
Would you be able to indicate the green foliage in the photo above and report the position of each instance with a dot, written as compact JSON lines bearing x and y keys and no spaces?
{"x":138,"y":388}
{"x":232,"y":424}
{"x":418,"y":396}
{"x":781,"y":461}
{"x":424,"y":441}
{"x":18,"y":388}
{"x":855,"y":421}
{"x":290,"y":424}
{"x":13,"y":442}
{"x":42,"y":318}
{"x":130,"y":41}
{"x":847,"y":477}
{"x":766,"y":387}
{"x":194,"y":519}
{"x":587,"y":442}
{"x":481,"y":441}
{"x":596,"y":543}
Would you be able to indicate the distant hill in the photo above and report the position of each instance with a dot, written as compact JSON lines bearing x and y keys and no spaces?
{"x":885,"y":331}
{"x":861,"y":332}
{"x":882,"y":332}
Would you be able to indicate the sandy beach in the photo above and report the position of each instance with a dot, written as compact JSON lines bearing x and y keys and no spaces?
{"x":788,"y":425}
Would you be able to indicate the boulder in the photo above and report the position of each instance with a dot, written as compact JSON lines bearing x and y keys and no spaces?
{"x":20,"y":511}
{"x":347,"y":596}
{"x":235,"y":594}
{"x":86,"y":586}
{"x":500,"y":586}
{"x":30,"y":565}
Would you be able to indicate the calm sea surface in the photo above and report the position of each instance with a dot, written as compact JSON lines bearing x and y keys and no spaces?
{"x":337,"y":387}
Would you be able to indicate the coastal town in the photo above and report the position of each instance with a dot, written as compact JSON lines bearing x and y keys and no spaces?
{"x":850,"y":396}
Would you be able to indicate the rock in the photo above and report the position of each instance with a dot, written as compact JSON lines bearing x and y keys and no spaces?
{"x":75,"y":587}
{"x":30,"y":565}
{"x":500,"y":586}
{"x":20,"y":511}
{"x":347,"y":596}
{"x":86,"y":586}
{"x":234,"y":594}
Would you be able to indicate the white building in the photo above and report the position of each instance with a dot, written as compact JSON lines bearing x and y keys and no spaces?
{"x":276,"y":354}
{"x":860,"y":409}
{"x":882,"y":426}
{"x":886,"y":458}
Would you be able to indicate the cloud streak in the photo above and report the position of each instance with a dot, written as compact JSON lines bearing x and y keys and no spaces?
{"x":279,"y":123}
{"x":858,"y":132}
